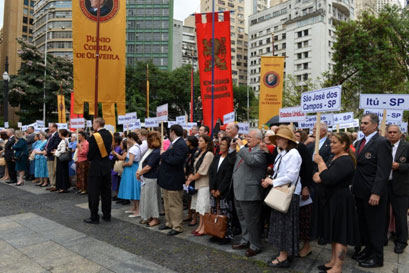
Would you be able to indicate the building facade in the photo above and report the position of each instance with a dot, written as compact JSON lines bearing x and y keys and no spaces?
{"x":150,"y":32}
{"x":238,"y":27}
{"x":177,"y":43}
{"x":53,"y":27}
{"x":18,"y":24}
{"x":380,"y":4}
{"x":364,"y":5}
{"x":301,"y":30}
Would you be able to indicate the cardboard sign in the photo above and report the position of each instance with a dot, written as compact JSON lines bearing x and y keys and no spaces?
{"x":19,"y":124}
{"x":343,"y":118}
{"x":326,"y":118}
{"x":402,"y":125}
{"x":151,"y":122}
{"x":6,"y":124}
{"x":89,"y":123}
{"x":244,"y":128}
{"x":40,"y":123}
{"x":77,"y":123}
{"x":360,"y":135}
{"x":391,"y":115}
{"x":323,"y":100}
{"x":384,"y":101}
{"x":162,"y":113}
{"x":62,"y":126}
{"x":354,"y":124}
{"x":181,"y":120}
{"x":291,"y":114}
{"x":170,"y":123}
{"x":229,"y":117}
{"x":24,"y":127}
{"x":190,"y":125}
{"x":110,"y":128}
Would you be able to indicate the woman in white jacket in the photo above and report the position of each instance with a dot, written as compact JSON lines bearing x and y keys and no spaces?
{"x":62,"y":176}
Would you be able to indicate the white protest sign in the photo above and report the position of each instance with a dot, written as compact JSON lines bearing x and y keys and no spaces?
{"x":24,"y":127}
{"x":291,"y":114}
{"x":343,"y":118}
{"x":89,"y":123}
{"x":62,"y":126}
{"x":170,"y":123}
{"x":6,"y":124}
{"x":162,"y":113}
{"x":151,"y":122}
{"x":229,"y":117}
{"x":19,"y":124}
{"x":190,"y":125}
{"x":77,"y":123}
{"x":402,"y":125}
{"x":322,"y":100}
{"x":244,"y":128}
{"x":308,"y":123}
{"x":353,"y":124}
{"x":110,"y":128}
{"x":384,"y":101}
{"x":121,"y":119}
{"x":137,"y":124}
{"x":181,"y":120}
{"x":391,"y":115}
{"x":130,"y":118}
{"x":40,"y":123}
{"x":326,"y":118}
{"x":360,"y":135}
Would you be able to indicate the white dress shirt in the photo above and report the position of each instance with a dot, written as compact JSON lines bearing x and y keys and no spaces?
{"x":394,"y":149}
{"x":287,"y":169}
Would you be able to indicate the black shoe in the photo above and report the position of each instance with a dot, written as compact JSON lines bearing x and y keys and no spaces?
{"x":119,"y":201}
{"x":214,"y":239}
{"x":323,"y":267}
{"x":224,"y":241}
{"x":91,"y":221}
{"x":11,"y":182}
{"x":164,"y":227}
{"x":126,"y":202}
{"x":173,"y":232}
{"x":321,"y":241}
{"x":114,"y":198}
{"x":371,"y":263}
{"x":283,"y":264}
{"x":363,"y":256}
{"x":250,"y":252}
{"x":106,"y":219}
{"x":399,"y":248}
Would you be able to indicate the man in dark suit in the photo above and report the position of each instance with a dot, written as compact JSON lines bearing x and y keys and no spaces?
{"x":103,"y":6}
{"x":374,"y":165}
{"x":171,"y":179}
{"x":99,"y":174}
{"x":249,"y":169}
{"x":398,"y":188}
{"x":8,"y":156}
{"x":52,"y":144}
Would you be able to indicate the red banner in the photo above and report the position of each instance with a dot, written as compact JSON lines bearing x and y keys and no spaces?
{"x":223,"y":87}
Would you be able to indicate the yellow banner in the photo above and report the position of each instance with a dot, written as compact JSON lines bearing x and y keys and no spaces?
{"x":112,"y":53}
{"x":61,"y":109}
{"x":271,"y":88}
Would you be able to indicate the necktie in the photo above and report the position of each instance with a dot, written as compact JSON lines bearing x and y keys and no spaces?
{"x":362,"y":145}
{"x":241,"y":160}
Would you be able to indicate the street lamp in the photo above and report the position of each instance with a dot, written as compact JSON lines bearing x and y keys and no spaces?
{"x":6,"y":79}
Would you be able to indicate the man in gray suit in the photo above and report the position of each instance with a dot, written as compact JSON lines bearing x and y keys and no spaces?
{"x":249,"y":169}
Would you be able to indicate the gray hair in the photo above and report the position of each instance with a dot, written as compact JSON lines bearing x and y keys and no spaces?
{"x":11,"y":130}
{"x":373,"y":118}
{"x":390,"y":125}
{"x":257,"y":133}
{"x":269,"y":133}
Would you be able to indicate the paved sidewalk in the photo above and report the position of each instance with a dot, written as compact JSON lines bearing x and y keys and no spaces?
{"x":30,"y":243}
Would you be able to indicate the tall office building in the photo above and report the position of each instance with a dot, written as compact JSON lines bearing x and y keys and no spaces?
{"x":177,"y":43}
{"x":150,"y":32}
{"x":17,"y":24}
{"x":53,"y":27}
{"x":301,"y":30}
{"x":240,"y":11}
{"x":364,"y":5}
{"x":380,"y":4}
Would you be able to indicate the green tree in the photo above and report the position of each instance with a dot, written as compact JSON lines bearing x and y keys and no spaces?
{"x":240,"y":102}
{"x":293,"y":90}
{"x":27,"y":87}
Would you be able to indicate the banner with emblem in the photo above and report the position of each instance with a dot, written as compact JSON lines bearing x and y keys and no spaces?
{"x":112,"y":58}
{"x":223,"y":87}
{"x":271,"y":88}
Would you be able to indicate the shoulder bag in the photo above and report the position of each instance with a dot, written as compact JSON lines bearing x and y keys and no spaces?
{"x":65,"y":156}
{"x":118,"y":168}
{"x":279,"y":198}
{"x":215,"y":224}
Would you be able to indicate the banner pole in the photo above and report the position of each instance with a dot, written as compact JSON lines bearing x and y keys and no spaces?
{"x":147,"y":90}
{"x":337,"y":128}
{"x":161,"y":134}
{"x":192,"y":93}
{"x":317,"y":133}
{"x":213,"y":15}
{"x":345,"y":130}
{"x":97,"y":62}
{"x":383,"y":123}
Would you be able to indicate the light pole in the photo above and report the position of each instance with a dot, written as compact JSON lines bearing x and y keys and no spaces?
{"x":6,"y":79}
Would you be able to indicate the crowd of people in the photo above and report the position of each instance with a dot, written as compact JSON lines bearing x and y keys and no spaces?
{"x":351,"y":193}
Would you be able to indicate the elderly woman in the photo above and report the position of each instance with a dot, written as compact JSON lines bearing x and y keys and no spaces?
{"x":40,"y":160}
{"x":284,"y":227}
{"x":20,"y":149}
{"x":62,"y":175}
{"x":148,"y":174}
{"x":201,"y":200}
{"x":82,"y":163}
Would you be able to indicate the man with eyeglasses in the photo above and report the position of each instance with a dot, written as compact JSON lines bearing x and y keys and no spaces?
{"x":374,"y":165}
{"x":398,"y":188}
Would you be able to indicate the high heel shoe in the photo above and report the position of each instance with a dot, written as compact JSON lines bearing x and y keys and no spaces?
{"x":20,"y":184}
{"x":44,"y":185}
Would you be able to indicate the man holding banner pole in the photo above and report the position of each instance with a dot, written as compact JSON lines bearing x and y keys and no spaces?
{"x":374,"y":165}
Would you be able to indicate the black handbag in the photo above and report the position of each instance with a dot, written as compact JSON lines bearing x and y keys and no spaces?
{"x":66,"y":156}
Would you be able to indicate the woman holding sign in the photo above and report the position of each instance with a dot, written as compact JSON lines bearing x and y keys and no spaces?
{"x":340,"y":223}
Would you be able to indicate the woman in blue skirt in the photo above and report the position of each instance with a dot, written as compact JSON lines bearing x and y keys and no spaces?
{"x":40,"y":161}
{"x":130,"y":187}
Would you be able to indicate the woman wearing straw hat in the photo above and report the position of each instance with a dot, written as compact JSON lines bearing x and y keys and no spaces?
{"x":284,"y":227}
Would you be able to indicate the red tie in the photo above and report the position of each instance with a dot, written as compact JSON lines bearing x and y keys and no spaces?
{"x":361,"y":146}
{"x":241,"y":160}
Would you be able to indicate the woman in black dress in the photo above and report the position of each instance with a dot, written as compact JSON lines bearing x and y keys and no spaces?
{"x":340,"y":223}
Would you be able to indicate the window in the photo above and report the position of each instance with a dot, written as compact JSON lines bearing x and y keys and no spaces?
{"x":305,"y":77}
{"x":299,"y":55}
{"x":284,"y":36}
{"x":25,"y":20}
{"x":24,"y":28}
{"x":299,"y":34}
{"x":306,"y":32}
{"x":306,"y":54}
{"x":299,"y":45}
{"x":305,"y":65}
{"x":283,"y":46}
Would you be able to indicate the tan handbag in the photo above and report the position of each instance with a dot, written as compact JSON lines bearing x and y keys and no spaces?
{"x":2,"y":161}
{"x":215,"y":224}
{"x":118,"y":168}
{"x":75,"y":156}
{"x":32,"y":156}
{"x":279,"y":198}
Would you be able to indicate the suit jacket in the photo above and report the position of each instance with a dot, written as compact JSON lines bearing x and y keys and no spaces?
{"x":220,"y":179}
{"x":374,"y":165}
{"x":21,"y":148}
{"x":325,"y":153}
{"x":247,"y":174}
{"x":8,"y":151}
{"x":171,"y":170}
{"x":52,"y":145}
{"x":99,"y":166}
{"x":30,"y":141}
{"x":400,"y":177}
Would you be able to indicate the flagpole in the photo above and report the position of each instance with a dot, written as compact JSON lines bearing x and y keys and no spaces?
{"x":147,"y":90}
{"x":192,"y":94}
{"x":97,"y":63}
{"x":213,"y":15}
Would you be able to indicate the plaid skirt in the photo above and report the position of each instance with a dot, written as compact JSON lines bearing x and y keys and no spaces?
{"x":305,"y":222}
{"x":226,"y":208}
{"x":284,"y":228}
{"x":82,"y":175}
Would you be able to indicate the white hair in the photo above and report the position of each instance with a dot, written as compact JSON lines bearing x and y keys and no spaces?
{"x":257,"y":133}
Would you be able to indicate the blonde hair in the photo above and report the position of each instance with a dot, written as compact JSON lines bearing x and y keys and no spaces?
{"x":19,"y":134}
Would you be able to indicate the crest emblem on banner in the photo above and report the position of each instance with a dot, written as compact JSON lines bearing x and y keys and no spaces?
{"x":109,"y":8}
{"x":219,"y":53}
